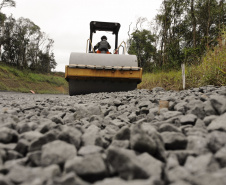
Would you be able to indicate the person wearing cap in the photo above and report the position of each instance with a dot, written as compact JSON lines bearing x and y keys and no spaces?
{"x":102,"y":46}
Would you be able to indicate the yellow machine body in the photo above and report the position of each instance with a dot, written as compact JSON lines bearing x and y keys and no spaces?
{"x":73,"y":72}
{"x":93,"y":73}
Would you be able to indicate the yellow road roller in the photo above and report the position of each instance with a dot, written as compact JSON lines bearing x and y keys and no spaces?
{"x":94,"y":72}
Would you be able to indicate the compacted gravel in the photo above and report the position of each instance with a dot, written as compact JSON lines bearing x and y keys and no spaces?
{"x":138,"y":137}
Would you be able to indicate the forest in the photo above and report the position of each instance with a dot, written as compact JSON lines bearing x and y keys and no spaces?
{"x":182,"y":32}
{"x":23,"y":44}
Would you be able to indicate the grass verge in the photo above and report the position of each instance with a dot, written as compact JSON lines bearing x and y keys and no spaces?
{"x":12,"y":79}
{"x":211,"y":71}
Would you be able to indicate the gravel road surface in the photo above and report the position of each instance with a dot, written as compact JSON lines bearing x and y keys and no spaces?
{"x":139,"y":137}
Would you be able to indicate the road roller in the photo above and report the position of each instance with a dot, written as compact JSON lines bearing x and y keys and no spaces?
{"x":93,"y":72}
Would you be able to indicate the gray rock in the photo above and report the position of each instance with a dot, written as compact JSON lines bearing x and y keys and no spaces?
{"x":216,"y":140}
{"x":26,"y":126}
{"x":201,"y":164}
{"x":90,"y":136}
{"x":4,"y":180}
{"x":197,"y":110}
{"x":83,"y":111}
{"x":19,"y":174}
{"x":69,"y":179}
{"x":57,"y":152}
{"x":208,"y":108}
{"x":90,"y":149}
{"x":22,"y":146}
{"x":218,"y":123}
{"x":141,"y":141}
{"x":218,"y":103}
{"x":57,"y":120}
{"x":170,"y":114}
{"x":188,"y":119}
{"x":8,"y":135}
{"x":35,"y":158}
{"x":117,"y":102}
{"x":12,"y":154}
{"x":178,"y":173}
{"x":158,"y":89}
{"x":174,"y":141}
{"x":30,"y":136}
{"x":71,"y":135}
{"x":172,"y":162}
{"x":120,"y":143}
{"x":200,"y":124}
{"x":118,"y":123}
{"x":210,"y":178}
{"x":221,"y":157}
{"x":180,"y":107}
{"x":154,"y":167}
{"x":180,"y":182}
{"x":198,"y":144}
{"x":166,"y":127}
{"x":126,"y":164}
{"x":208,"y":119}
{"x":115,"y":180}
{"x":90,"y":167}
{"x":123,"y":134}
{"x":39,"y":142}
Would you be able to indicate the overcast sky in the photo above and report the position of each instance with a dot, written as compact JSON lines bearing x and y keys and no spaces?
{"x":67,"y":21}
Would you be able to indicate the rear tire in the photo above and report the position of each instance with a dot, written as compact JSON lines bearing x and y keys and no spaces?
{"x":77,"y":87}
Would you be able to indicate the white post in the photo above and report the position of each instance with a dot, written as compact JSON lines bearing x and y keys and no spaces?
{"x":183,"y":74}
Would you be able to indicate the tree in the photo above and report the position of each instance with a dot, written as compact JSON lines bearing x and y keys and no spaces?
{"x":142,"y":46}
{"x":7,"y":3}
{"x":25,"y":46}
{"x":187,"y":28}
{"x":4,"y":3}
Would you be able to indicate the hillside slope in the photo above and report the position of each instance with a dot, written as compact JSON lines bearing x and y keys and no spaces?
{"x":12,"y":79}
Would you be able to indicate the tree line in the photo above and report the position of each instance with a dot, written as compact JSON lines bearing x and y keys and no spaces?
{"x":183,"y":30}
{"x":23,"y":44}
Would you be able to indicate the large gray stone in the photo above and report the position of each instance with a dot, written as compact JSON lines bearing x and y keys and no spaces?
{"x":216,"y":140}
{"x":201,"y":164}
{"x":87,"y":110}
{"x":90,"y":167}
{"x":123,"y":134}
{"x":174,"y":141}
{"x":40,"y":141}
{"x":90,"y":149}
{"x":198,"y":144}
{"x":218,"y":103}
{"x":178,"y":173}
{"x":8,"y":135}
{"x":218,"y":123}
{"x":188,"y":119}
{"x":126,"y":164}
{"x":221,"y":157}
{"x":57,"y":152}
{"x":141,"y":141}
{"x":71,"y":135}
{"x":91,"y":135}
{"x":154,"y":167}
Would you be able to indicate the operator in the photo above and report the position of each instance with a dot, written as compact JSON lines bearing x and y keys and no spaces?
{"x":102,"y":46}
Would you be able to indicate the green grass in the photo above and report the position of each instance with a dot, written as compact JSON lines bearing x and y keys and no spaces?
{"x":12,"y":79}
{"x":211,"y":71}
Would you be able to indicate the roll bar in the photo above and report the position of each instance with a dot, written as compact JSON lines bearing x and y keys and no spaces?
{"x":104,"y":26}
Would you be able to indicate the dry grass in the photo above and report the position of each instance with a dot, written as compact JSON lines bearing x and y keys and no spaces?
{"x":211,"y":71}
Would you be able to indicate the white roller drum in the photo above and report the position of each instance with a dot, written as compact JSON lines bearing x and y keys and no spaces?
{"x":103,"y":59}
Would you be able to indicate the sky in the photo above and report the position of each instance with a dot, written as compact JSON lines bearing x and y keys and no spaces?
{"x":67,"y":21}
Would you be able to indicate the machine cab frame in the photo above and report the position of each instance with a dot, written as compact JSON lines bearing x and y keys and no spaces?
{"x":104,"y":26}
